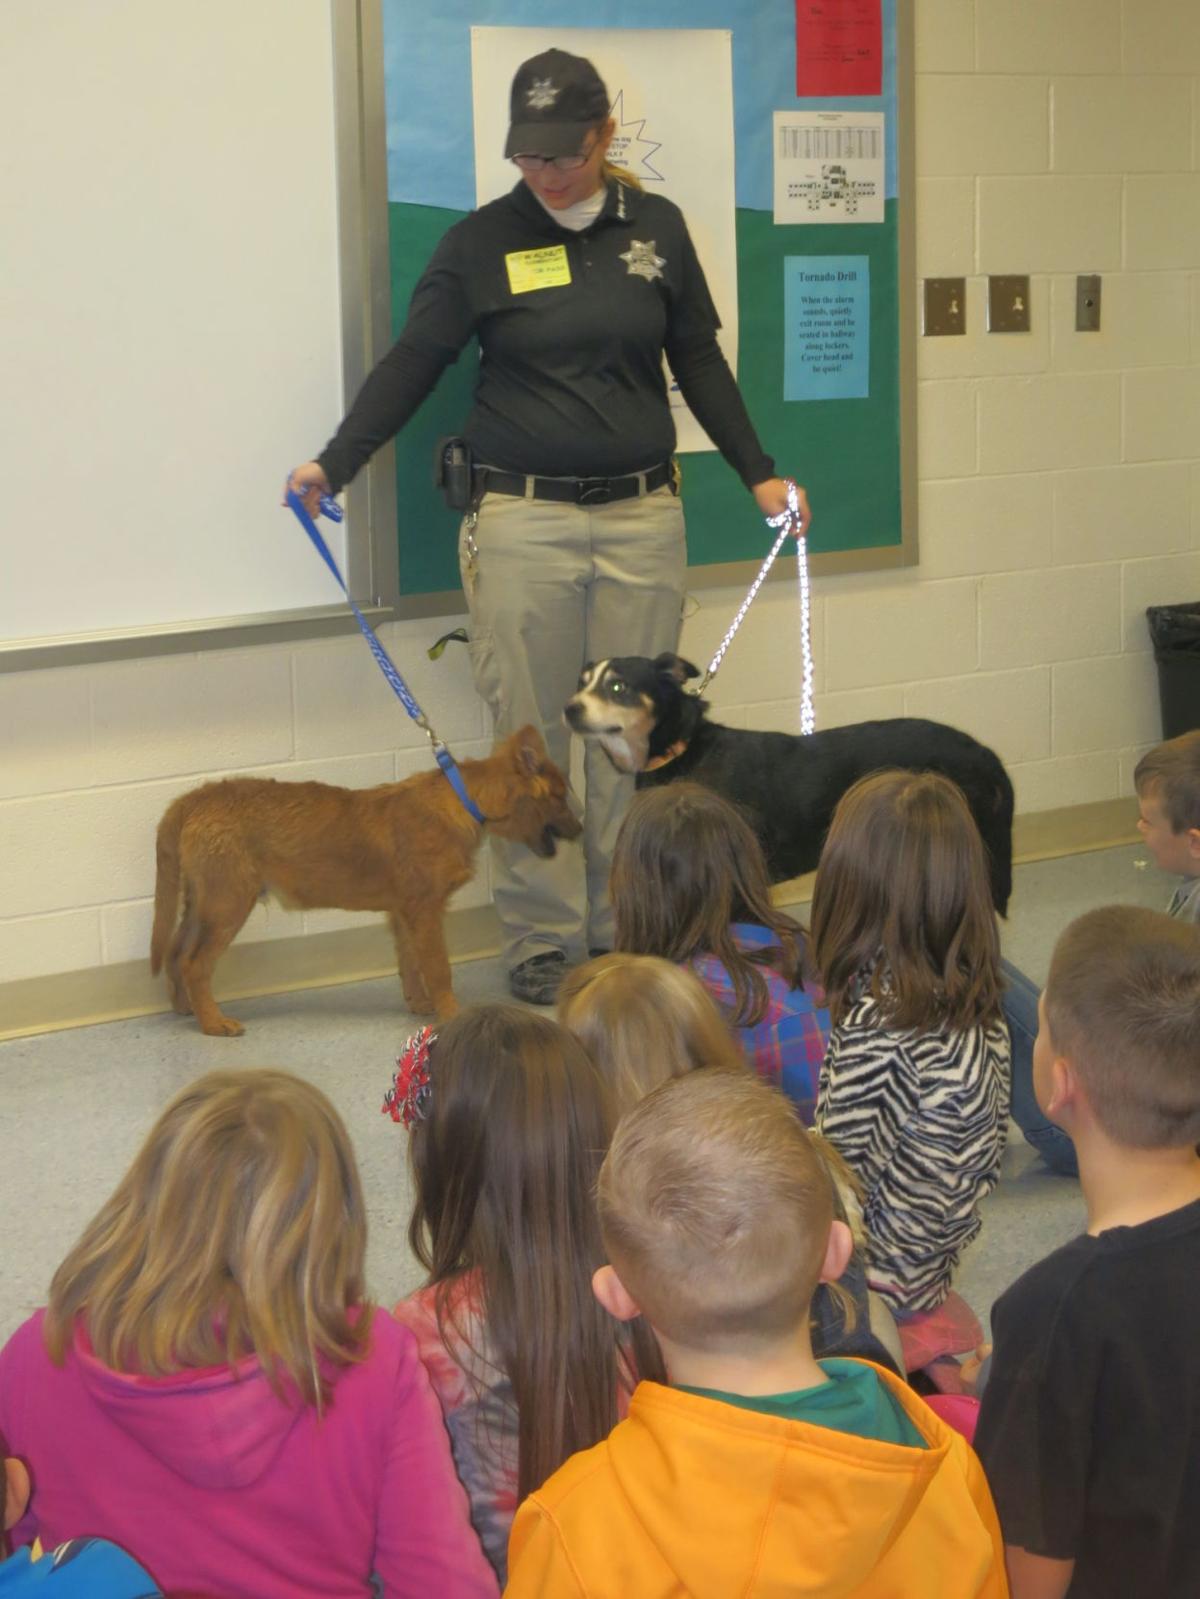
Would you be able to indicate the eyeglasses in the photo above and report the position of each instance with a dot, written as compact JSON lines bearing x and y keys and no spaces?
{"x":561,"y":163}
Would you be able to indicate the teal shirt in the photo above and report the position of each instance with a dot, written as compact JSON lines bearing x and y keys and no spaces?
{"x":853,"y":1400}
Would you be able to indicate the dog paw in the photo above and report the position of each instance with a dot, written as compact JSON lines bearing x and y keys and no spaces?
{"x":222,"y":1027}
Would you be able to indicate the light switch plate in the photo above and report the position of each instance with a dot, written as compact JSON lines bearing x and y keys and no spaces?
{"x":1008,"y":304}
{"x":945,"y":307}
{"x":1087,"y":303}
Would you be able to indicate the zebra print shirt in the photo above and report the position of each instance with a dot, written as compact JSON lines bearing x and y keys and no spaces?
{"x":922,"y":1118}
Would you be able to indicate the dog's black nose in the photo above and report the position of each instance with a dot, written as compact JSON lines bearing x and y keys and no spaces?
{"x":573,"y":713}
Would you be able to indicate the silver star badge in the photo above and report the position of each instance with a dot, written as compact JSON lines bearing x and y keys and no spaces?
{"x":642,"y":261}
{"x":542,"y":94}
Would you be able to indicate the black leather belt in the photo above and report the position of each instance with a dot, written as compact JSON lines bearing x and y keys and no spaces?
{"x":574,"y":490}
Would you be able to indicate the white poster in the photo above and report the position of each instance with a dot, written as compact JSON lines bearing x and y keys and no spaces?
{"x":671,"y":92}
{"x":828,"y":166}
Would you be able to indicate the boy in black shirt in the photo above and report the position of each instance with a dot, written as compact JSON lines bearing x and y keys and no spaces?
{"x":1090,"y":1425}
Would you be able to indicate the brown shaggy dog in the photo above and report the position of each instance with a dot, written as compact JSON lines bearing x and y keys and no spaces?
{"x":402,"y":848}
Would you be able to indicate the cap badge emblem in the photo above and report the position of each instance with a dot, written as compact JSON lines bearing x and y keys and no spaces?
{"x":541,"y":93}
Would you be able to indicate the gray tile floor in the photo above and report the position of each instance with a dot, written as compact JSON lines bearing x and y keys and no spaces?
{"x":76,"y":1104}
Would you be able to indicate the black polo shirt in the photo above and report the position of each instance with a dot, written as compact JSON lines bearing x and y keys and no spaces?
{"x":1089,"y":1430}
{"x":572,"y":328}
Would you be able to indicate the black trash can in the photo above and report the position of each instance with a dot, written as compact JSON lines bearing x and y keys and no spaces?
{"x":1175,"y":634}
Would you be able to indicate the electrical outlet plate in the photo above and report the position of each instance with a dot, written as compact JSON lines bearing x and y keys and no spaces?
{"x":1087,"y":303}
{"x":1008,"y":304}
{"x":945,"y":307}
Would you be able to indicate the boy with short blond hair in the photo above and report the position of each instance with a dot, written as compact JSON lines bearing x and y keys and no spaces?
{"x":760,"y":1469}
{"x":1167,"y":781}
{"x":1090,"y":1425}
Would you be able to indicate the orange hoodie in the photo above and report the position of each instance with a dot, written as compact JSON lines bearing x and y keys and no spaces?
{"x":690,"y":1496}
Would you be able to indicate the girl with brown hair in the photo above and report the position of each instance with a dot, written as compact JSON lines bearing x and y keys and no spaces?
{"x":915,"y":1085}
{"x":510,"y":1121}
{"x":210,"y":1384}
{"x":689,"y":883}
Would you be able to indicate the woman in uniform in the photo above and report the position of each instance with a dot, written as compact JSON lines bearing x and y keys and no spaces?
{"x":575,"y":284}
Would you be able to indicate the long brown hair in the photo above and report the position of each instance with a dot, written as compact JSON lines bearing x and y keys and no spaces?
{"x":686,"y":866}
{"x":239,"y":1229}
{"x":643,"y":1020}
{"x":505,"y":1163}
{"x":902,"y":907}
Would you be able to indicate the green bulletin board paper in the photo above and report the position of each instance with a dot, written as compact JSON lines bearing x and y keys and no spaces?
{"x":845,"y":452}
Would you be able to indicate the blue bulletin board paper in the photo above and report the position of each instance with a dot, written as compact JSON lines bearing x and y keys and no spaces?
{"x":827,"y":327}
{"x":427,"y":67}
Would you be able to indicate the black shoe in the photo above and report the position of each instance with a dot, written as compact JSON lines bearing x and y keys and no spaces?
{"x":538,"y":979}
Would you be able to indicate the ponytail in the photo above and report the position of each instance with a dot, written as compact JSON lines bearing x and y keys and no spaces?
{"x":611,"y":173}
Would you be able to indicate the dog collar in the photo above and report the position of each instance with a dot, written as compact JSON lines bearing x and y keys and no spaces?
{"x":676,"y":750}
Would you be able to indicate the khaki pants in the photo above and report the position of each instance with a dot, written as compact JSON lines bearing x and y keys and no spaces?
{"x":550,"y":588}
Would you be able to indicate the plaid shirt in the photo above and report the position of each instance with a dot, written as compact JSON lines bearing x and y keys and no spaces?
{"x":788,"y":1045}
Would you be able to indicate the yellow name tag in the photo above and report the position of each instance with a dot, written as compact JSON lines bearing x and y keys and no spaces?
{"x":538,"y":269}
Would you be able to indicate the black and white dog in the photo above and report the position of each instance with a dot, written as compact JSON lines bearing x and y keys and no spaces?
{"x":788,"y":785}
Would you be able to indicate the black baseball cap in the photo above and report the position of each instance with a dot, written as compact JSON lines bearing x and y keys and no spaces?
{"x":556,"y":98}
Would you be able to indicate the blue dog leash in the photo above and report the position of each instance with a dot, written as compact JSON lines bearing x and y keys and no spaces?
{"x":441,"y":753}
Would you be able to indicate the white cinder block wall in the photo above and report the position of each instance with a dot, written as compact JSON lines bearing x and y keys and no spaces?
{"x":1060,"y":494}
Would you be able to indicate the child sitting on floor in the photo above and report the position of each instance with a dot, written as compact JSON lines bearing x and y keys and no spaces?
{"x":643,"y":1021}
{"x":914,"y":1088}
{"x":509,"y":1122}
{"x":1167,"y":782}
{"x":1090,"y":1424}
{"x":689,"y":883}
{"x":760,"y":1469}
{"x":210,"y":1385}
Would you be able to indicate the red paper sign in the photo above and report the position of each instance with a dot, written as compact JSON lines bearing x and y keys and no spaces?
{"x":839,"y":47}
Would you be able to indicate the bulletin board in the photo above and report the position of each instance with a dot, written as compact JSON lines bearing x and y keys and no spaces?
{"x":816,"y":206}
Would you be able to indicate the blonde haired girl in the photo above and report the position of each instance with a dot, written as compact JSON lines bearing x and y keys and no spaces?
{"x":210,"y":1385}
{"x":644,"y":1020}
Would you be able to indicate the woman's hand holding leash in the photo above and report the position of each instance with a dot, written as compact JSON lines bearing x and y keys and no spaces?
{"x":771,"y":498}
{"x":311,"y":484}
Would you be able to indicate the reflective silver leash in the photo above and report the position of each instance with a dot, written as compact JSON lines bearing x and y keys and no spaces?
{"x":784,"y":522}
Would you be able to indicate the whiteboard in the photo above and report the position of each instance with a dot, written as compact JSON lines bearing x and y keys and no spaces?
{"x":170,"y":308}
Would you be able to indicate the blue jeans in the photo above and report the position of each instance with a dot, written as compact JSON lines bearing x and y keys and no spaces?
{"x":1021,"y":1014}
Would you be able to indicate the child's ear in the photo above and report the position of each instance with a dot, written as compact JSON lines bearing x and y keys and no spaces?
{"x":1063,"y":1091}
{"x":1193,"y":843}
{"x":18,"y":1491}
{"x":837,"y":1253}
{"x":613,"y":1294}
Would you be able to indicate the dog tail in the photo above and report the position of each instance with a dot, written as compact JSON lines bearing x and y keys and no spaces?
{"x":166,"y":882}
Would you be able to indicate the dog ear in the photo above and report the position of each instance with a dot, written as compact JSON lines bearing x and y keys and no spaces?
{"x":675,"y":667}
{"x":529,"y":750}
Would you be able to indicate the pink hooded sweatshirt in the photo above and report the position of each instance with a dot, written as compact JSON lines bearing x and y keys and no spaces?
{"x":221,"y":1488}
